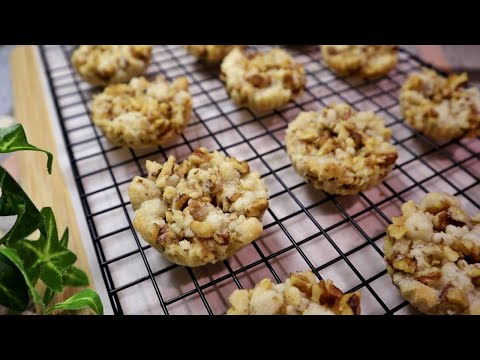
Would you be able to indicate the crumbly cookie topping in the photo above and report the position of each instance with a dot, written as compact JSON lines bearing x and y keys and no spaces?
{"x":301,"y":294}
{"x":441,"y":107}
{"x":143,"y":114}
{"x":340,"y":150}
{"x":200,"y":211}
{"x":110,"y":64}
{"x":432,"y":253}
{"x":262,"y":81}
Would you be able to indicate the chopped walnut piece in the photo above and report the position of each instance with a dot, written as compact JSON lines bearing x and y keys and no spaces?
{"x":182,"y":202}
{"x":404,"y":264}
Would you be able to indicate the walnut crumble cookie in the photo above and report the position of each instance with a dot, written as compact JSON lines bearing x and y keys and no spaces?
{"x":143,"y":114}
{"x":200,"y":211}
{"x":211,"y":53}
{"x":263,"y":80}
{"x":441,"y":107}
{"x":368,"y":61}
{"x":301,"y":294}
{"x":432,"y":253}
{"x":339,"y":150}
{"x":110,"y":64}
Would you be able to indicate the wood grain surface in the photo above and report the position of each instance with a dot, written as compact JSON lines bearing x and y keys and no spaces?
{"x":435,"y":55}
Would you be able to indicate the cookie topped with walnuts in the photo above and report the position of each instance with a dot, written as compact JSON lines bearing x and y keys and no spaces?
{"x":262,"y":80}
{"x":301,"y":294}
{"x":102,"y":65}
{"x":211,"y":53}
{"x":432,"y":252}
{"x":441,"y":107}
{"x":143,"y":114}
{"x":368,"y":61}
{"x":339,"y":150}
{"x":201,"y":210}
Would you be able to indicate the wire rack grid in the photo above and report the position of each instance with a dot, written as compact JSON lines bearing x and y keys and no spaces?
{"x":337,"y":237}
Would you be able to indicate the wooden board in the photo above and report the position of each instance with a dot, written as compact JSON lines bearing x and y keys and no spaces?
{"x":31,"y":110}
{"x":435,"y":55}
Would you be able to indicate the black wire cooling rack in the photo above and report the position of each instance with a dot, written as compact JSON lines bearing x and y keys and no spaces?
{"x":340,"y":238}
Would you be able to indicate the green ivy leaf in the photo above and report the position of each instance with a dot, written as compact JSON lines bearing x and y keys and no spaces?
{"x":25,"y":261}
{"x":46,"y":258}
{"x":13,"y":201}
{"x":75,"y":277}
{"x":83,"y":299}
{"x":64,"y":239}
{"x":48,"y":296}
{"x":13,"y":256}
{"x":13,"y":138}
{"x":13,"y":290}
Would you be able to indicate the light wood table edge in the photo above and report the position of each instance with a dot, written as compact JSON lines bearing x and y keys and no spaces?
{"x":435,"y":55}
